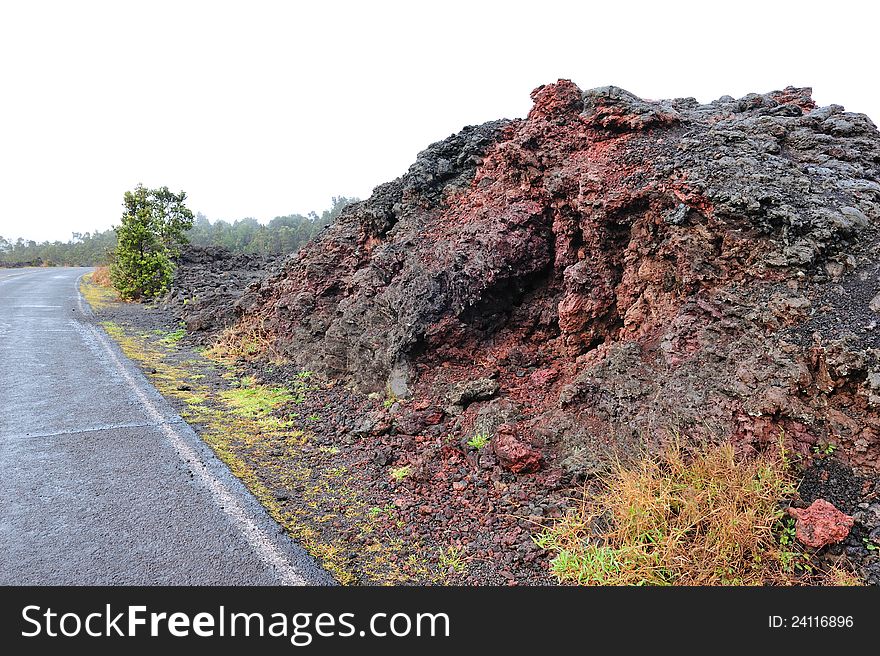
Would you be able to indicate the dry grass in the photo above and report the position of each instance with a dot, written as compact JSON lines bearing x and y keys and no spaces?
{"x":244,"y":340}
{"x":843,"y":578}
{"x":97,"y":296}
{"x":707,"y":519}
{"x":101,"y":276}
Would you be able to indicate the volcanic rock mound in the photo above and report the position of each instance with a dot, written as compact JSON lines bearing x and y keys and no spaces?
{"x":208,"y":280}
{"x":619,"y":269}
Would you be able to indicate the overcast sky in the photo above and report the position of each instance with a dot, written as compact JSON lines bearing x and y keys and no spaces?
{"x":260,"y":109}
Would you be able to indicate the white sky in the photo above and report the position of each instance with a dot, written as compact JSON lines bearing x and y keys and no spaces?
{"x":259,"y":108}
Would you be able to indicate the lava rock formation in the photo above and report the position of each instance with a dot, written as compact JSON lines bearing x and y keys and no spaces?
{"x":207,"y":282}
{"x":619,"y":270}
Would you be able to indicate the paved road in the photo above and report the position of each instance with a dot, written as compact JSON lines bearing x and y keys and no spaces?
{"x":101,"y":482}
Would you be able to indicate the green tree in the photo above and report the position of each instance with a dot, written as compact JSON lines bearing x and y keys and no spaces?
{"x":152,"y":231}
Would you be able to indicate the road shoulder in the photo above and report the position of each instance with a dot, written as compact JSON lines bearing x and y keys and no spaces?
{"x":269,"y":436}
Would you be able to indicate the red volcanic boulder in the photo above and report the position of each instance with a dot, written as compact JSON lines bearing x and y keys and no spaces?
{"x":821,"y":524}
{"x":513,"y":453}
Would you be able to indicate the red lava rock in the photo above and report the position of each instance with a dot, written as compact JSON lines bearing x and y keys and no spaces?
{"x":433,"y":417}
{"x":598,"y":267}
{"x":821,"y":524}
{"x":554,"y":100}
{"x":542,"y":377}
{"x":552,"y":479}
{"x":513,"y":453}
{"x":413,"y":422}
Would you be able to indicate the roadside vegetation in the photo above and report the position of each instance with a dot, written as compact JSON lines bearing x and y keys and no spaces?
{"x":703,"y":518}
{"x":148,"y":239}
{"x":101,"y":276}
{"x":97,"y":289}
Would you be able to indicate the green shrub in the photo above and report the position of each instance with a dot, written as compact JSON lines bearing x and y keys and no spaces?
{"x":150,"y":235}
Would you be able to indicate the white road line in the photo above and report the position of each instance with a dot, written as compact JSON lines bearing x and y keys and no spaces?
{"x":262,"y":544}
{"x":46,"y":330}
{"x":90,"y":429}
{"x":13,"y":276}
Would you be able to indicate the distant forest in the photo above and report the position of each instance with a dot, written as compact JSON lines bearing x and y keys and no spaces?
{"x":282,"y":235}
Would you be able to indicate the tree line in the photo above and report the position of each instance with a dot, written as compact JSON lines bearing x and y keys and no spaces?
{"x":86,"y":249}
{"x":282,"y":235}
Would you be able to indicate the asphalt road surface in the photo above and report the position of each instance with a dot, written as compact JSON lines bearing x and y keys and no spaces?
{"x":101,"y":482}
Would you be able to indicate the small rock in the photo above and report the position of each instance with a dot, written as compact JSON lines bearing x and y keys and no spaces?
{"x":413,"y":422}
{"x":494,"y":413}
{"x":821,"y":524}
{"x":433,"y":417}
{"x":453,"y":410}
{"x":513,"y":453}
{"x":868,"y":515}
{"x":543,"y":377}
{"x":382,"y":456}
{"x":469,"y":391}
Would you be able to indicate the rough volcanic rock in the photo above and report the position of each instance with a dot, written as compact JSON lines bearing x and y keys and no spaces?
{"x":821,"y":524}
{"x":207,"y":283}
{"x":513,"y":452}
{"x":622,"y":268}
{"x":467,"y":392}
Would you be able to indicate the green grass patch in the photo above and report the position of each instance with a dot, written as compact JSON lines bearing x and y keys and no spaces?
{"x":479,"y":441}
{"x":256,"y":400}
{"x":400,"y":473}
{"x":452,"y":559}
{"x":174,"y":336}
